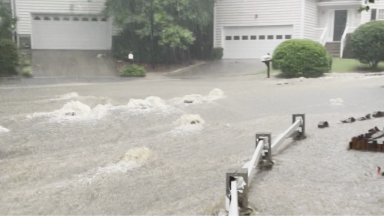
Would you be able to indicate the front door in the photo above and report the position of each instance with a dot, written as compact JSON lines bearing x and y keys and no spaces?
{"x":340,"y":24}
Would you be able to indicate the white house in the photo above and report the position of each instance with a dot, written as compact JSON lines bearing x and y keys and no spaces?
{"x":248,"y":29}
{"x":63,"y":24}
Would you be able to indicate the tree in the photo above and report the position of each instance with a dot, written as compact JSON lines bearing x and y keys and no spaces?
{"x":163,"y":23}
{"x":7,"y":22}
{"x":366,"y":7}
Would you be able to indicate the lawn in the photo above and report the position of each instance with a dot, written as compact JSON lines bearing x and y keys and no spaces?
{"x":344,"y":66}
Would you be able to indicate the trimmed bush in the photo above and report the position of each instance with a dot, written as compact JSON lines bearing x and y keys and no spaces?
{"x":301,"y":58}
{"x":217,"y":53}
{"x":8,"y":57}
{"x":368,"y":43}
{"x":133,"y":71}
{"x":26,"y":71}
{"x":348,"y":52}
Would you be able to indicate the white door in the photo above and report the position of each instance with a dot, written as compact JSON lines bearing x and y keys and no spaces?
{"x":252,"y":42}
{"x":71,"y":32}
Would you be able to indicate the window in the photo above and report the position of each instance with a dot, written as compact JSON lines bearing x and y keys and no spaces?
{"x":75,"y":19}
{"x":85,"y":19}
{"x":104,"y":19}
{"x":244,"y":38}
{"x":288,"y":36}
{"x":270,"y":37}
{"x":253,"y":37}
{"x":236,"y":38}
{"x":94,"y":19}
{"x":261,"y":37}
{"x":37,"y":18}
{"x":279,"y":37}
{"x":380,"y":14}
{"x":47,"y":18}
{"x":228,"y":38}
{"x":56,"y":18}
{"x":66,"y":18}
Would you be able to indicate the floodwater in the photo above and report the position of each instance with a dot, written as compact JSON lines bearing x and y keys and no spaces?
{"x":136,"y":147}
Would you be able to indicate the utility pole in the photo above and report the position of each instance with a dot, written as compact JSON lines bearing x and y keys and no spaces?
{"x":152,"y":38}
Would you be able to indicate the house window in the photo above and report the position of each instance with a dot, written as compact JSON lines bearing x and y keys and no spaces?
{"x":37,"y":18}
{"x":279,"y":37}
{"x":56,"y":18}
{"x":94,"y":19}
{"x":236,"y":38}
{"x":75,"y":19}
{"x":380,"y":14}
{"x":253,"y":37}
{"x":47,"y":18}
{"x":288,"y":36}
{"x":270,"y":37}
{"x":261,"y":37}
{"x":104,"y":19}
{"x":85,"y":19}
{"x":228,"y":38}
{"x":66,"y":18}
{"x":244,"y":37}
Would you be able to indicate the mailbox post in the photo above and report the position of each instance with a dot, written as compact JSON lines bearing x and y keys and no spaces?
{"x":267,"y":59}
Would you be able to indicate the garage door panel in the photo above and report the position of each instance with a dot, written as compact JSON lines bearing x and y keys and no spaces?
{"x":253,"y":42}
{"x":71,"y":35}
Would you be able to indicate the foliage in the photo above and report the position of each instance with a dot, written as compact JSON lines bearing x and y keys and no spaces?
{"x":301,"y":57}
{"x":368,"y":43}
{"x":26,"y":71}
{"x":179,"y":29}
{"x":133,"y":71}
{"x":8,"y":57}
{"x":366,"y":6}
{"x":217,"y":53}
{"x":7,"y":22}
{"x":348,"y":52}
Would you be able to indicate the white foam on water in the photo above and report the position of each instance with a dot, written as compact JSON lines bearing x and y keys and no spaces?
{"x":213,"y":95}
{"x":3,"y":130}
{"x":337,"y":101}
{"x":148,"y":104}
{"x":188,"y":124}
{"x":75,"y":110}
{"x":68,"y":96}
{"x":132,"y":159}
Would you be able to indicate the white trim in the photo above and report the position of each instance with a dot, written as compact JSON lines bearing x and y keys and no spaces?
{"x":302,"y":19}
{"x":214,"y":25}
{"x":339,"y":3}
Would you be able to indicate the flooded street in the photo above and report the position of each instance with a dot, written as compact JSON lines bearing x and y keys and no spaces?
{"x":137,"y":148}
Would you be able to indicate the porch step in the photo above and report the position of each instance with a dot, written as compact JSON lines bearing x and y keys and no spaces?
{"x":333,"y":48}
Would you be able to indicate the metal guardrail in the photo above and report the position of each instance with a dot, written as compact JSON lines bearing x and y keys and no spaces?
{"x":239,"y":180}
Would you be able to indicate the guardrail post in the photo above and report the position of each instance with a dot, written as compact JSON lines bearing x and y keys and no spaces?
{"x":302,"y":126}
{"x":267,"y":148}
{"x":230,"y":176}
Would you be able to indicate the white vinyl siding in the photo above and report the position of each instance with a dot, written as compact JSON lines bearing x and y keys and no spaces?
{"x":310,"y":19}
{"x":25,"y":9}
{"x":366,"y":16}
{"x":242,"y":13}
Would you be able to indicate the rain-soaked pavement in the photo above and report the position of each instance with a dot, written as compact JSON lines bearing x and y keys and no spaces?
{"x":134,"y":147}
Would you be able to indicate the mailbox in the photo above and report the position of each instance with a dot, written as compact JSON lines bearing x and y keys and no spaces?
{"x":267,"y":60}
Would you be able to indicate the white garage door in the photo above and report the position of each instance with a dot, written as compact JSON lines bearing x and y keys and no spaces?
{"x":253,"y":42}
{"x":71,"y":32}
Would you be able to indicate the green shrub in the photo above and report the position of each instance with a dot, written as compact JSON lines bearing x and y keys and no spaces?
{"x":26,"y":71}
{"x":8,"y":57}
{"x":348,"y":52}
{"x":301,"y":57}
{"x":133,"y":71}
{"x":368,"y":43}
{"x":217,"y":53}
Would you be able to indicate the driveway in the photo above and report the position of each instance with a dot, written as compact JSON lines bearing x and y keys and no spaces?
{"x":221,"y":68}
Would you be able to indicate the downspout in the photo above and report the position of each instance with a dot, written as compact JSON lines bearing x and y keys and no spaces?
{"x":302,"y":19}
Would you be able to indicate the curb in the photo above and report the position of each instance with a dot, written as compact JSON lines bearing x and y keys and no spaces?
{"x":181,"y":69}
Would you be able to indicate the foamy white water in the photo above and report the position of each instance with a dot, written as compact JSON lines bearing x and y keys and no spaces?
{"x":3,"y":130}
{"x":337,"y":101}
{"x":75,"y":110}
{"x":213,"y":95}
{"x":188,"y":123}
{"x":148,"y":104}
